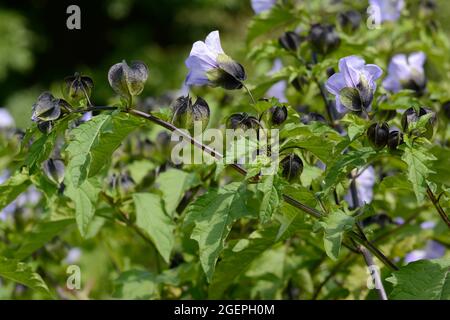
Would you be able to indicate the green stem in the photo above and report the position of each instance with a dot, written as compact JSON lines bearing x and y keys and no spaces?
{"x":438,"y":207}
{"x":249,"y":93}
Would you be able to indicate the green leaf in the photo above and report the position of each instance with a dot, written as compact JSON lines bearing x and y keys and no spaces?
{"x":238,"y":258}
{"x":418,"y":160}
{"x":43,"y":233}
{"x":344,"y":164}
{"x":154,"y":222}
{"x":440,"y":167}
{"x":319,"y":139}
{"x":422,"y":280}
{"x":93,"y":142}
{"x":21,"y":273}
{"x":334,"y":226}
{"x":356,"y":125}
{"x":136,"y":284}
{"x":269,"y":196}
{"x":85,"y":198}
{"x":173,"y":183}
{"x":213,"y":215}
{"x":13,"y":187}
{"x":393,"y":183}
{"x":40,"y":150}
{"x":265,"y":22}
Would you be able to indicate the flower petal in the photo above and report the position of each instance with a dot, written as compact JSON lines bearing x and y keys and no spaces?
{"x":335,"y":83}
{"x":392,"y":84}
{"x":373,"y":72}
{"x":350,"y":67}
{"x":262,"y":5}
{"x":417,"y":60}
{"x":201,"y":51}
{"x":212,"y":41}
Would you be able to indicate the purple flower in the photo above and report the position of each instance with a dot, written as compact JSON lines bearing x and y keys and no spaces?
{"x":354,"y":84}
{"x":364,"y":187}
{"x":262,"y":5}
{"x":433,"y":250}
{"x":406,"y":72}
{"x":427,"y":225}
{"x":209,"y":65}
{"x":388,"y":10}
{"x":278,"y":89}
{"x":73,"y":256}
{"x":6,"y":120}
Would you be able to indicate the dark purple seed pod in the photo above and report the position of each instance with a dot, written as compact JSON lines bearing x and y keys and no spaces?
{"x":349,"y":20}
{"x":279,"y":115}
{"x":291,"y":167}
{"x":394,"y":140}
{"x":290,"y":41}
{"x":299,"y":83}
{"x":186,"y":114}
{"x":45,"y":126}
{"x":378,"y":134}
{"x":324,"y":38}
{"x":242,"y":121}
{"x":446,"y":109}
{"x":412,"y":115}
{"x":77,"y":87}
{"x":312,"y":116}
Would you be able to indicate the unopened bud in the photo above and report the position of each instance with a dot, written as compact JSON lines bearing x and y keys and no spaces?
{"x":378,"y":134}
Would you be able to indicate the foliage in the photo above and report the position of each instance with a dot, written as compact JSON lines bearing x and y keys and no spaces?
{"x":100,"y":186}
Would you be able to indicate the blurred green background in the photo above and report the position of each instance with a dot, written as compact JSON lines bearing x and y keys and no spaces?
{"x":37,"y":50}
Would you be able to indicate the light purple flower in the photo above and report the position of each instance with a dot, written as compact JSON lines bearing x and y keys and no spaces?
{"x":406,"y":72}
{"x":364,"y":187}
{"x":433,"y":250}
{"x":427,"y":225}
{"x":6,"y":120}
{"x":354,"y":84}
{"x":209,"y":65}
{"x":278,"y":89}
{"x":388,"y":10}
{"x":262,"y":5}
{"x":73,"y":256}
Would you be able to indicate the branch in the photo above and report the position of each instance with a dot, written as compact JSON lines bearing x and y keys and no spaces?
{"x":295,"y":203}
{"x":374,"y":272}
{"x":437,"y":205}
{"x":309,"y":210}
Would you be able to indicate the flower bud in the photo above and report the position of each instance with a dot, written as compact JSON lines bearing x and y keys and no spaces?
{"x":324,"y":38}
{"x":279,"y":115}
{"x":446,"y":109}
{"x":128,"y":81}
{"x":54,"y":169}
{"x":427,"y":7}
{"x":47,"y":108}
{"x":330,"y":72}
{"x":242,"y":121}
{"x":312,"y":116}
{"x":394,"y":140}
{"x":378,"y":134}
{"x":77,"y":88}
{"x":45,"y":126}
{"x":299,"y":83}
{"x":386,"y":115}
{"x":349,"y":20}
{"x":185,"y":114}
{"x":290,"y":41}
{"x":411,"y":115}
{"x":291,"y":166}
